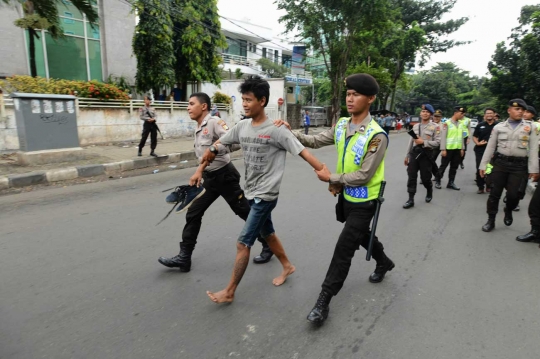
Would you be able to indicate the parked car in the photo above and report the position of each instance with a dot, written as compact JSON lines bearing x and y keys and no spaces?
{"x":474,"y":122}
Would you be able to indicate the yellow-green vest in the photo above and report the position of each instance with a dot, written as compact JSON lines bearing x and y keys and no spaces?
{"x":351,"y":154}
{"x":465,"y":121}
{"x":454,"y":136}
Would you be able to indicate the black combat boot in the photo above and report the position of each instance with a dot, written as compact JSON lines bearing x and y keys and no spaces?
{"x":153,"y":154}
{"x":264,"y":257}
{"x":410,"y":201}
{"x":320,"y":311}
{"x":490,"y":224}
{"x":182,"y":260}
{"x":429,"y":195}
{"x":453,"y":186}
{"x":438,"y":182}
{"x":532,"y":236}
{"x":139,"y":153}
{"x":384,"y":264}
{"x":508,"y":218}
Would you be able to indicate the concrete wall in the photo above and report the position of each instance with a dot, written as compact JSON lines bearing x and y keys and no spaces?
{"x":117,"y":29}
{"x":12,"y":52}
{"x":107,"y":125}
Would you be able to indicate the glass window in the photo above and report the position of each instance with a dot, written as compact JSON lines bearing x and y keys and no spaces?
{"x":67,"y":7}
{"x":94,"y":57}
{"x":66,"y":58}
{"x":92,"y":32}
{"x":72,"y":27}
{"x":40,"y":58}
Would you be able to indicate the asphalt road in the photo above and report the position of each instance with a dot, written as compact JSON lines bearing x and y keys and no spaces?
{"x":79,"y":276}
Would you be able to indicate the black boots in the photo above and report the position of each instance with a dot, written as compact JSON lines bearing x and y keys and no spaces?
{"x":264,"y":257}
{"x":152,"y":153}
{"x":508,"y":218}
{"x":490,"y":225}
{"x":532,"y":236}
{"x":410,"y":202}
{"x":384,"y":265}
{"x":429,"y":195}
{"x":139,"y":153}
{"x":320,"y":311}
{"x":438,"y":183}
{"x":453,"y":186}
{"x":182,"y":260}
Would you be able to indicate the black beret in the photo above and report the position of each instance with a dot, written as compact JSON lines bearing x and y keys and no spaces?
{"x":438,"y":113}
{"x":460,"y":109}
{"x":363,"y":84}
{"x":428,"y":108}
{"x":517,"y":102}
{"x":532,"y":110}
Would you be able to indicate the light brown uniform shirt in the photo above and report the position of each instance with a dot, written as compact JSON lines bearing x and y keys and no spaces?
{"x":372,"y":159}
{"x":429,"y":132}
{"x":519,"y":142}
{"x":146,"y":113}
{"x":210,"y":130}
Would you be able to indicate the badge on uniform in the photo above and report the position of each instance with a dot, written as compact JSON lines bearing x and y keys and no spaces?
{"x":223,"y":124}
{"x":205,"y":131}
{"x":362,"y":129}
{"x":527,"y":129}
{"x":374,"y":145}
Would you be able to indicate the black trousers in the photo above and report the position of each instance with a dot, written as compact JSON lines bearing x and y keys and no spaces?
{"x":453,"y":158}
{"x":419,"y":161}
{"x":479,"y":153}
{"x":224,"y":182}
{"x":356,"y":233}
{"x":149,"y":128}
{"x":507,"y":175}
{"x":434,"y":168}
{"x":534,"y":209}
{"x":464,"y":149}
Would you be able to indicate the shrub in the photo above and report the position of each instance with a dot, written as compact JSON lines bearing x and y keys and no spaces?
{"x":89,"y":89}
{"x":220,"y":97}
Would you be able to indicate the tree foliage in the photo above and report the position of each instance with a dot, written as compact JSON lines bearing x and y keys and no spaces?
{"x":153,"y":45}
{"x":514,"y":67}
{"x":271,"y":68}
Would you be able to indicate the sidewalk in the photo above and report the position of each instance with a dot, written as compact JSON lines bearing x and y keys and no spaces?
{"x":103,"y":160}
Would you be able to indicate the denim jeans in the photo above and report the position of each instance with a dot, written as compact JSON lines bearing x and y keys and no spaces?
{"x":259,"y":221}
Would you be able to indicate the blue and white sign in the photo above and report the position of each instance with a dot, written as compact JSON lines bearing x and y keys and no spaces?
{"x":298,"y":80}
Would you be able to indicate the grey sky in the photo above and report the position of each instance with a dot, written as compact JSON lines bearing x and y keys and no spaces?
{"x":490,"y":21}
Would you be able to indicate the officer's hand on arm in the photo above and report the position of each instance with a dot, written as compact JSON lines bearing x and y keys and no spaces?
{"x":443,"y":153}
{"x":279,"y":123}
{"x":324,"y":173}
{"x":335,"y":188}
{"x":534,"y":177}
{"x":482,"y":173}
{"x":406,"y":162}
{"x":419,"y":141}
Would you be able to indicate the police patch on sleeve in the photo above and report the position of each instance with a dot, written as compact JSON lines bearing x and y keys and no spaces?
{"x":374,"y":145}
{"x":223,"y":124}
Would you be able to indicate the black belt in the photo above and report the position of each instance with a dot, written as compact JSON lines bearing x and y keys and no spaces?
{"x":511,"y":159}
{"x":219,"y":171}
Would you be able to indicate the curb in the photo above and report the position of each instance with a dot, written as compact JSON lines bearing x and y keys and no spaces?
{"x":69,"y":173}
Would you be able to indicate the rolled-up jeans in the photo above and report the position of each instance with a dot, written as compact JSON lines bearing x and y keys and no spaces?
{"x":259,"y":221}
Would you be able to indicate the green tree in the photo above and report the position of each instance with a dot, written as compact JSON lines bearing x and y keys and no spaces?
{"x":271,"y":68}
{"x":336,"y":30}
{"x":514,"y":68}
{"x":43,"y":15}
{"x":153,"y":46}
{"x":197,"y":39}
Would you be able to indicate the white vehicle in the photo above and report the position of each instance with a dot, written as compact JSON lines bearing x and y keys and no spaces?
{"x":474,"y":122}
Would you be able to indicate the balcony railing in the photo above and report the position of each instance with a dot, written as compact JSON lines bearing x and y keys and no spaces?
{"x":252,"y":63}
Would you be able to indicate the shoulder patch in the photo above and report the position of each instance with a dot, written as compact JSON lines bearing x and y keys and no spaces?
{"x":374,"y":145}
{"x":223,"y":124}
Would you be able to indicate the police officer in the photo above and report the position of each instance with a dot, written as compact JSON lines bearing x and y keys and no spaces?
{"x":420,"y":154}
{"x":437,"y":117}
{"x":466,"y":123}
{"x":481,"y":135}
{"x":452,"y":144}
{"x":148,"y":115}
{"x":513,"y":151}
{"x":220,"y":179}
{"x":361,"y":144}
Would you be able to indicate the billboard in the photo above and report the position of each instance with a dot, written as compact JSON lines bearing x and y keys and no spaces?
{"x":298,"y":60}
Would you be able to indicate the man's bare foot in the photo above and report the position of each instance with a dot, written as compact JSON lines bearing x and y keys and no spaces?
{"x":283,"y":276}
{"x":221,"y":297}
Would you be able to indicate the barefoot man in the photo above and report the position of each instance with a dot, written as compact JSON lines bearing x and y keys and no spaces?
{"x":265,"y":147}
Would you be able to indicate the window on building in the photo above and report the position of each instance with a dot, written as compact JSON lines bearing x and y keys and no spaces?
{"x":76,"y":56}
{"x":276,"y":56}
{"x":286,"y":60}
{"x":236,"y":47}
{"x":264,"y":52}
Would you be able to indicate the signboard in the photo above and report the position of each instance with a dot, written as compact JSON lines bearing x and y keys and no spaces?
{"x":298,"y":61}
{"x":280,"y":101}
{"x":298,"y":80}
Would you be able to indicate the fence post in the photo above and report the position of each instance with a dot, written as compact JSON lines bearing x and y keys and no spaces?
{"x":2,"y":106}
{"x":131,"y":106}
{"x":172,"y":106}
{"x":76,"y":104}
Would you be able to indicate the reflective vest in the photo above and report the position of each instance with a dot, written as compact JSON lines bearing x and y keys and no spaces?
{"x":454,"y":136}
{"x":351,"y":154}
{"x":465,"y":121}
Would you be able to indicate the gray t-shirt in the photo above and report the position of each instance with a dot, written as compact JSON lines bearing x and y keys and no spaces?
{"x":265,"y":148}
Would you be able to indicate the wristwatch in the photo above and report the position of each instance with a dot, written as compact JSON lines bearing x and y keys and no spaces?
{"x":213,"y":149}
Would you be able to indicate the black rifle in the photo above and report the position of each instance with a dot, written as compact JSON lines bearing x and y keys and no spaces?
{"x":422,"y":148}
{"x":155,"y":124}
{"x":380,"y":201}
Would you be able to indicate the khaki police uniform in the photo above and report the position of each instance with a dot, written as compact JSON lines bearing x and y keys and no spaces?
{"x":145,"y":114}
{"x":421,"y":156}
{"x":514,"y":154}
{"x":221,"y":178}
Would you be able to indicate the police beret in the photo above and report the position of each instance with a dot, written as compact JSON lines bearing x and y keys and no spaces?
{"x":438,"y":113}
{"x":532,"y":110}
{"x":517,"y":102}
{"x":363,"y":84}
{"x":428,"y":107}
{"x":460,"y":109}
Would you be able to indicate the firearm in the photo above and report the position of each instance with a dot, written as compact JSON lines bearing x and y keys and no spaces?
{"x":155,"y":124}
{"x":380,"y":201}
{"x":422,"y":148}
